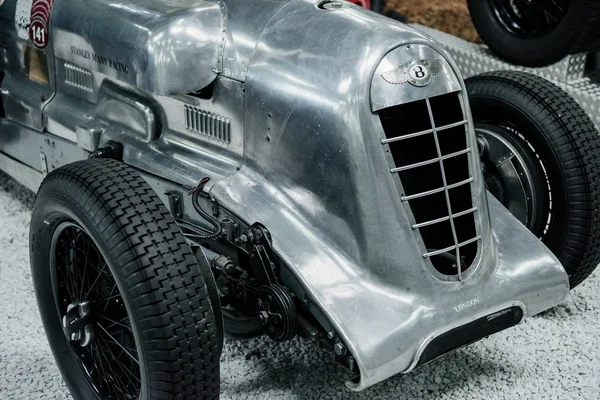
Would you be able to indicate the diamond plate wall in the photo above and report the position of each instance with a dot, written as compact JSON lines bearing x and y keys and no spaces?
{"x":473,"y":59}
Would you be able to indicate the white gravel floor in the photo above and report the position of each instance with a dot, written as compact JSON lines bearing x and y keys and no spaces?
{"x":552,"y":356}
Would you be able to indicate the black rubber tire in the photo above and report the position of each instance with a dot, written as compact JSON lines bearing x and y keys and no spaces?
{"x":393,"y":14}
{"x":567,"y":143}
{"x":1,"y":105}
{"x":592,"y":45}
{"x":213,"y":292}
{"x":575,"y":33}
{"x":158,"y":277}
{"x":378,"y":6}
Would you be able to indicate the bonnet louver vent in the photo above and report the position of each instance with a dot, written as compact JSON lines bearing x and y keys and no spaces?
{"x":207,"y":123}
{"x":427,"y":141}
{"x":79,"y":78}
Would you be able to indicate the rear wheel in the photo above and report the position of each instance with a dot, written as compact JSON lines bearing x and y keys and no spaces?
{"x":123,"y":302}
{"x":541,"y":158}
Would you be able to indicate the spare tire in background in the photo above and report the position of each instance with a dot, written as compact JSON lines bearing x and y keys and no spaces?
{"x":536,"y":33}
{"x":378,"y":5}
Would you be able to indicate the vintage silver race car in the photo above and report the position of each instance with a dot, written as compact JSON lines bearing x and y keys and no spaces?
{"x":210,"y":168}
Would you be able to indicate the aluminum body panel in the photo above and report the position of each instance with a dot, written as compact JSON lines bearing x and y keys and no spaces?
{"x":304,"y":158}
{"x":24,"y":99}
{"x":11,"y":46}
{"x":26,"y":176}
{"x":314,"y":173}
{"x":227,"y":102}
{"x":115,"y":104}
{"x":245,"y":23}
{"x":29,"y":73}
{"x":166,"y":47}
{"x":25,"y":145}
{"x":385,"y":319}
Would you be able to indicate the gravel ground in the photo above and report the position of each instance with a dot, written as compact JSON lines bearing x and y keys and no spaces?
{"x":552,"y":356}
{"x":451,"y":16}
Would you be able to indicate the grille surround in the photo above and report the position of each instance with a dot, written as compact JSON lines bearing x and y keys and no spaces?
{"x":462,"y":217}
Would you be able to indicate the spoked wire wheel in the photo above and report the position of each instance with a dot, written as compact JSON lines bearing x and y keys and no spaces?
{"x":124,"y":304}
{"x":93,"y":314}
{"x":530,"y":18}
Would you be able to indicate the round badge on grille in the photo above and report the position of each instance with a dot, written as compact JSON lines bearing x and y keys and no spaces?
{"x":419,"y":74}
{"x":416,"y":72}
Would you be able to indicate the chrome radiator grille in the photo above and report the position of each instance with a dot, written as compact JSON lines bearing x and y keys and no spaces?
{"x":427,"y":141}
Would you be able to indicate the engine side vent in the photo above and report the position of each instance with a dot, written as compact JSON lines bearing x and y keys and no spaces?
{"x":79,"y":78}
{"x":207,"y":123}
{"x":427,"y":141}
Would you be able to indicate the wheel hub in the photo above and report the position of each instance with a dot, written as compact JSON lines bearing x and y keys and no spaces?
{"x":530,"y":19}
{"x":78,"y":323}
{"x":93,"y":315}
{"x":507,"y":172}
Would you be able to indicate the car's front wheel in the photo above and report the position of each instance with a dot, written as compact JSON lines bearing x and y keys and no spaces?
{"x":123,"y":302}
{"x":541,"y":158}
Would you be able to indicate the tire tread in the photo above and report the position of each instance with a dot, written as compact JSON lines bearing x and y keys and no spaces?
{"x":576,"y":144}
{"x":169,"y":299}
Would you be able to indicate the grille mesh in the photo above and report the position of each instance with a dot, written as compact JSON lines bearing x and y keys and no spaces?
{"x":428,"y":143}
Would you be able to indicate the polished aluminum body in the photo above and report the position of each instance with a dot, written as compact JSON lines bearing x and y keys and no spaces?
{"x":290,"y":136}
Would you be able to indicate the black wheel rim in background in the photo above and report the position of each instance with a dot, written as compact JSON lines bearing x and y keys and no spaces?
{"x":105,"y":349}
{"x":530,"y":19}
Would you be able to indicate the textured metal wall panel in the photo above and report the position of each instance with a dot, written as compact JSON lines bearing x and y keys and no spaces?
{"x":474,"y":59}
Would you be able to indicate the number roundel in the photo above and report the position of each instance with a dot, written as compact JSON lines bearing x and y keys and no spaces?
{"x":40,"y":22}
